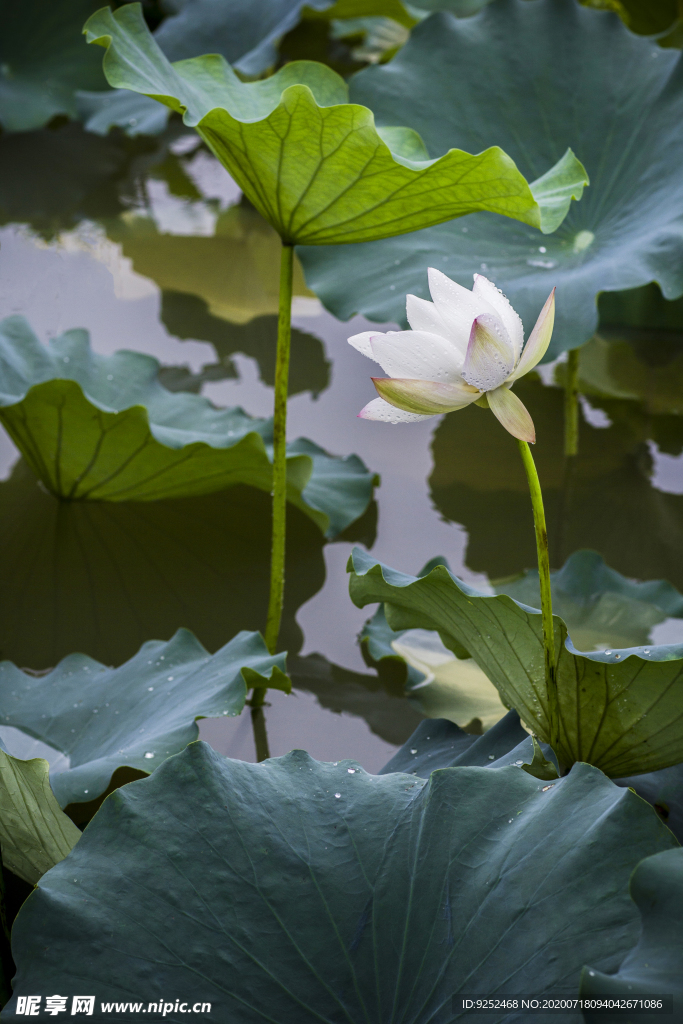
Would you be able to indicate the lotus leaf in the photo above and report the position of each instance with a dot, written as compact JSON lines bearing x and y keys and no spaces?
{"x":439,"y":743}
{"x":315,"y":877}
{"x":43,"y":62}
{"x":104,"y":577}
{"x":526,"y":75}
{"x":135,"y":715}
{"x":136,"y":115}
{"x":34,"y":831}
{"x":654,"y":965}
{"x":608,"y":503}
{"x":104,"y":428}
{"x":235,"y":270}
{"x":314,"y":165}
{"x":187,"y":316}
{"x":618,"y":708}
{"x":244,"y":33}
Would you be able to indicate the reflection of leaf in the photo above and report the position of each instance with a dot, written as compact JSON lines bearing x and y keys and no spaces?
{"x":103,"y":428}
{"x":654,"y":965}
{"x":609,"y":505}
{"x":526,"y":76}
{"x":104,"y":577}
{"x":619,"y":710}
{"x":187,"y":316}
{"x":245,"y":33}
{"x":43,"y":61}
{"x":615,"y":369}
{"x":341,"y":690}
{"x":135,"y":715}
{"x":54,"y":178}
{"x":396,"y":891}
{"x":314,"y":165}
{"x":599,"y":605}
{"x":34,"y":832}
{"x":136,"y":115}
{"x":235,"y":271}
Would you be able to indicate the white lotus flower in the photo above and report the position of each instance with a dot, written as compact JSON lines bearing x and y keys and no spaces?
{"x":462,"y":347}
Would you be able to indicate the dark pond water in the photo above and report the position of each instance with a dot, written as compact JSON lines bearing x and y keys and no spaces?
{"x":147,"y":245}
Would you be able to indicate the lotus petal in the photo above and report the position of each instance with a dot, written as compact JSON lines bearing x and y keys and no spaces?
{"x":423,"y":315}
{"x":487,"y":290}
{"x":456,"y":305}
{"x":361,"y":342}
{"x":490,"y":355}
{"x":381,"y":412}
{"x":425,"y":397}
{"x":539,"y":339}
{"x":417,"y":355}
{"x":512,"y":413}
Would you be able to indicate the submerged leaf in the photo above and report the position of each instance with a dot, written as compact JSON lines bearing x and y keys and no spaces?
{"x":313,"y":164}
{"x":35,"y":834}
{"x":103,"y":428}
{"x":618,"y":708}
{"x":136,"y":715}
{"x":333,"y":891}
{"x":525,"y":76}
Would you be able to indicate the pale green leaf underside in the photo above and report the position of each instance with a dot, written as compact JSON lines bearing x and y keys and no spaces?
{"x":35,"y":834}
{"x":104,"y":429}
{"x":259,"y":889}
{"x":620,"y":711}
{"x":135,"y":715}
{"x":315,"y":165}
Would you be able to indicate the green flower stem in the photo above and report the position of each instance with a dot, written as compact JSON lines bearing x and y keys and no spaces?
{"x":277,"y":550}
{"x":571,"y":404}
{"x":546,"y":596}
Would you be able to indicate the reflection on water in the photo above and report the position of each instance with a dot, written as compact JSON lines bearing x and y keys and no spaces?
{"x":146,"y":243}
{"x":607,"y":503}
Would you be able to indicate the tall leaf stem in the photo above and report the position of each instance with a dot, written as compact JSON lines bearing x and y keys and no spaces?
{"x":571,"y":404}
{"x":546,"y":596}
{"x":279,"y":493}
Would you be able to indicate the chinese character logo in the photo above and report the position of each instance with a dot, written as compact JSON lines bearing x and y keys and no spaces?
{"x":83,"y":1004}
{"x":28,"y":1005}
{"x":55,"y":1004}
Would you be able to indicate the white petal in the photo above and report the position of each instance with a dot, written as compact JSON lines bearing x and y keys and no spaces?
{"x":382,"y":412}
{"x":490,"y":356}
{"x":361,"y":342}
{"x":510,"y":317}
{"x":425,"y":397}
{"x":417,"y":355}
{"x":457,"y":306}
{"x":539,"y":339}
{"x":512,"y":413}
{"x":424,"y":316}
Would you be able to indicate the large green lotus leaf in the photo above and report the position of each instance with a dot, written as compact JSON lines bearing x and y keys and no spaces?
{"x":653,"y":967}
{"x":314,"y":165}
{"x":619,"y":709}
{"x":608,"y":504}
{"x":34,"y":831}
{"x":236,"y":270}
{"x":188,"y":316}
{"x":136,"y":715}
{"x":135,"y":115}
{"x":104,"y":428}
{"x":43,"y":61}
{"x":104,"y":577}
{"x":526,"y":75}
{"x":337,"y":895}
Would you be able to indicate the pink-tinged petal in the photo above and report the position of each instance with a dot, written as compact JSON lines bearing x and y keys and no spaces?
{"x":381,"y":412}
{"x":539,"y":339}
{"x":490,"y":356}
{"x":457,"y":306}
{"x":424,"y":397}
{"x":417,"y":355}
{"x":361,"y":342}
{"x":510,"y":317}
{"x":424,"y":316}
{"x":512,"y":413}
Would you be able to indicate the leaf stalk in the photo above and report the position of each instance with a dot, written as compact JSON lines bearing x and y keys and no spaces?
{"x":571,"y":405}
